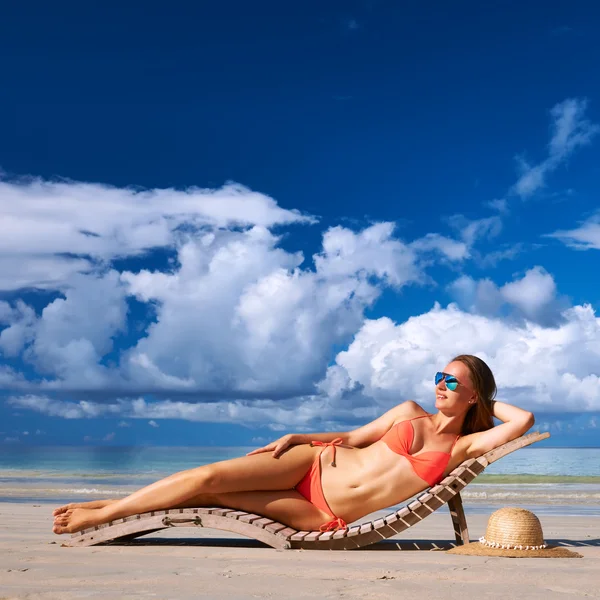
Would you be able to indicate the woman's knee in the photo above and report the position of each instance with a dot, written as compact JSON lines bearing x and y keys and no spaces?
{"x":207,"y":479}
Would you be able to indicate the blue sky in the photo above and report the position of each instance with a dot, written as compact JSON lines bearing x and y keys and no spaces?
{"x":224,"y":222}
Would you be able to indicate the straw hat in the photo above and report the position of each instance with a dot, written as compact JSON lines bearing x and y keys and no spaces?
{"x":513,"y":533}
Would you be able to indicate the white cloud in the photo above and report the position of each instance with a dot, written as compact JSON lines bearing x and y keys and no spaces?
{"x":584,"y":237}
{"x":42,"y":272}
{"x":570,"y":131}
{"x":52,"y":230}
{"x":21,"y":320}
{"x":448,"y":248}
{"x":547,"y":369}
{"x":504,"y":252}
{"x":541,"y":368}
{"x":498,"y":204}
{"x":472,"y":230}
{"x":534,"y":296}
{"x":234,"y":314}
{"x":61,"y":408}
{"x":153,"y":423}
{"x":72,"y":334}
{"x":237,"y":316}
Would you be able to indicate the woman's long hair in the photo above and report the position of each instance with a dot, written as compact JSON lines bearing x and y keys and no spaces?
{"x":480,"y":416}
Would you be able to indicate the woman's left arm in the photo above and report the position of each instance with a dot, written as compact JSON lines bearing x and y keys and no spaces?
{"x":515,"y":422}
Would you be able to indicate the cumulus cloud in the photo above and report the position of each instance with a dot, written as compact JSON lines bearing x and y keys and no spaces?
{"x":533,"y":296}
{"x":584,"y":237}
{"x":52,"y":230}
{"x":570,"y":130}
{"x":242,"y":316}
{"x":537,"y":367}
{"x":234,"y":316}
{"x":544,"y":369}
{"x":242,"y":330}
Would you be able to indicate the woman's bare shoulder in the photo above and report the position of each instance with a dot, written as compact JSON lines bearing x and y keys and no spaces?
{"x":408,"y":410}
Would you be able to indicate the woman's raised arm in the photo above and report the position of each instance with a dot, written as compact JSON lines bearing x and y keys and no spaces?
{"x":515,"y":422}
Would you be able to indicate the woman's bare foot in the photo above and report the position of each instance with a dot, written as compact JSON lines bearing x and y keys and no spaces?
{"x":92,"y":504}
{"x":76,"y":519}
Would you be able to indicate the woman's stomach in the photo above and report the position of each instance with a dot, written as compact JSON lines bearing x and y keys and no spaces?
{"x":367,"y":479}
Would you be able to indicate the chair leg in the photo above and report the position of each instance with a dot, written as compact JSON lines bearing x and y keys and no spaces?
{"x":459,"y":521}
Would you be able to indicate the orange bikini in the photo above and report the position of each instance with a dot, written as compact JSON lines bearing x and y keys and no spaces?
{"x":310,"y":487}
{"x":429,"y":466}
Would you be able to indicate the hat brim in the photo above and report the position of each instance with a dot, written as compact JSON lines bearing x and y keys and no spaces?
{"x":479,"y":549}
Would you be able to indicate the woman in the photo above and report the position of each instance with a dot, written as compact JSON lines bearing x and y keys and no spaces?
{"x":338,"y":477}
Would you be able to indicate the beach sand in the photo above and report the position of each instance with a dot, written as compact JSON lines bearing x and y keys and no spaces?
{"x":200,"y":563}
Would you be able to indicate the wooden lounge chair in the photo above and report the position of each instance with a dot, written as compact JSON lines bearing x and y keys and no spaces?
{"x":282,"y":537}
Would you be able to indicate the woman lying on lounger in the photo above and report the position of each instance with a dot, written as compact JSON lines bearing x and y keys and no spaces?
{"x":326,"y":480}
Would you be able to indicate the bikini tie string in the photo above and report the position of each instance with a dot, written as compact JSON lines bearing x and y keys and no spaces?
{"x":334,"y":525}
{"x":336,"y":442}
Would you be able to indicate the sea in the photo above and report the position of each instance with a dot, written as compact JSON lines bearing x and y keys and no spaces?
{"x":560,"y":481}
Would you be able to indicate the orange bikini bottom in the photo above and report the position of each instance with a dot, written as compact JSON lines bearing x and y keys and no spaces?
{"x":310,"y":487}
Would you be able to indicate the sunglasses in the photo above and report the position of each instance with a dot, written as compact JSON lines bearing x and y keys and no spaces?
{"x":451,"y":381}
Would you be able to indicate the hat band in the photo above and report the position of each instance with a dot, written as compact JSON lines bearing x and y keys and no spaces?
{"x":509,"y":546}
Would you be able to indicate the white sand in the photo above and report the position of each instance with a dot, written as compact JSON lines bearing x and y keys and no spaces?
{"x":34,"y":565}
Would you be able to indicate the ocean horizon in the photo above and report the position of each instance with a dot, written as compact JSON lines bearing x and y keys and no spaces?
{"x":547,"y":480}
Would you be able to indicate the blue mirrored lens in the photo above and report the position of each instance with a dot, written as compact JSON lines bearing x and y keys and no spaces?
{"x":451,"y":383}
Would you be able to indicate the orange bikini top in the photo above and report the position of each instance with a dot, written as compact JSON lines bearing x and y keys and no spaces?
{"x":429,"y":466}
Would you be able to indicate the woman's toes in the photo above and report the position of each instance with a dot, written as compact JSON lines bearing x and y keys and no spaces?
{"x":61,"y":509}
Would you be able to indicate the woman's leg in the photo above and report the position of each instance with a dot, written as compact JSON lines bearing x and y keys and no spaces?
{"x":259,"y":472}
{"x":284,"y":506}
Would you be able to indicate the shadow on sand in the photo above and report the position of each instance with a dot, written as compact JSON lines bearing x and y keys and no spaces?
{"x":384,"y":545}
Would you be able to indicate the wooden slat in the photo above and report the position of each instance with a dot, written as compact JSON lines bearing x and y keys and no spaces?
{"x":236,"y":514}
{"x":352,"y":531}
{"x":403,"y":512}
{"x":340,"y":533}
{"x":434,"y":503}
{"x":249,"y":518}
{"x":262,"y":523}
{"x":526,"y":440}
{"x":221,"y":512}
{"x":287,"y":532}
{"x":275,"y":527}
{"x":366,"y":527}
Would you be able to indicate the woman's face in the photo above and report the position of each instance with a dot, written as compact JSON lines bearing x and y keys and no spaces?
{"x":460,"y":399}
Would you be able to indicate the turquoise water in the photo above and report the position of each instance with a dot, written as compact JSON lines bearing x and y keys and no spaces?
{"x":557,"y":480}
